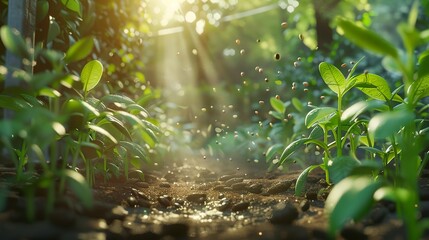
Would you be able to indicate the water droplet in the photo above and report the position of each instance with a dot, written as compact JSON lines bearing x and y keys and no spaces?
{"x":277,"y":97}
{"x":299,"y":59}
{"x":261,"y":102}
{"x":258,"y":40}
{"x":290,"y":116}
{"x":301,"y":37}
{"x":266,"y":79}
{"x":322,"y":97}
{"x":260,"y":70}
{"x":295,"y":64}
{"x":352,"y":62}
{"x":277,"y":56}
{"x":343,"y":65}
{"x":305,"y":84}
{"x":237,"y":41}
{"x":204,"y":109}
{"x":257,"y":68}
{"x":242,"y":51}
{"x":305,"y":89}
{"x":205,"y":157}
{"x":242,"y":74}
{"x":235,"y":116}
{"x":195,"y":51}
{"x":284,"y":25}
{"x":256,"y":112}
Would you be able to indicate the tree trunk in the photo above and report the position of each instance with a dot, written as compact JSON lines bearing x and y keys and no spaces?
{"x":324,"y":32}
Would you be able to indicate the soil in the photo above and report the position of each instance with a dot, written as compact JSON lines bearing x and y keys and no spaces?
{"x":197,"y":203}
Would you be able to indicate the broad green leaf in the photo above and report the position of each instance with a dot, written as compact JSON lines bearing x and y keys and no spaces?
{"x":277,"y":105}
{"x":112,"y":98}
{"x":316,"y":133}
{"x":366,"y":39}
{"x":103,"y":132}
{"x":395,"y":194}
{"x":302,"y":180}
{"x":49,"y":92}
{"x":320,"y":115}
{"x":273,"y":151}
{"x":79,"y":187}
{"x":90,"y":109}
{"x":332,"y":77}
{"x":349,"y":200}
{"x":297,"y":104}
{"x":377,"y":88}
{"x":420,"y":87}
{"x":13,"y":42}
{"x":358,"y":108}
{"x":80,"y":50}
{"x":410,"y":36}
{"x":135,"y":150}
{"x":91,"y":75}
{"x":73,"y":5}
{"x":291,"y":148}
{"x":389,"y":123}
{"x":119,"y":126}
{"x":54,"y":31}
{"x":341,"y":167}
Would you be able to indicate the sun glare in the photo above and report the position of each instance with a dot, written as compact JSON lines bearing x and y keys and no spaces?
{"x":165,"y":10}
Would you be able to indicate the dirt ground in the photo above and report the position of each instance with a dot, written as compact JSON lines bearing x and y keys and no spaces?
{"x":196,"y":203}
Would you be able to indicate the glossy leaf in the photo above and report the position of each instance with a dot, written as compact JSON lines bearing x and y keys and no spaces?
{"x":366,"y":39}
{"x":358,"y":108}
{"x":349,"y":200}
{"x":80,"y":50}
{"x":302,"y":180}
{"x":273,"y":151}
{"x":91,"y":75}
{"x":420,"y":87}
{"x":119,"y":126}
{"x":79,"y":187}
{"x":389,"y":123}
{"x":333,"y":77}
{"x":14,"y":42}
{"x":319,"y":116}
{"x":73,"y":5}
{"x":277,"y":105}
{"x":341,"y":167}
{"x":103,"y":132}
{"x":134,"y":149}
{"x":291,"y":148}
{"x":377,"y":87}
{"x":54,"y":31}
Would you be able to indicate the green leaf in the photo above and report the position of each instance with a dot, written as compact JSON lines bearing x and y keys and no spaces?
{"x":80,"y":50}
{"x":291,"y":148}
{"x":73,"y":5}
{"x":119,"y":125}
{"x":302,"y":180}
{"x":91,"y":75}
{"x":134,"y":149}
{"x":13,"y":42}
{"x":377,"y":87}
{"x":320,"y":115}
{"x":341,"y":167}
{"x":395,"y":194}
{"x":112,"y":98}
{"x":273,"y":151}
{"x":54,"y":31}
{"x":103,"y":132}
{"x":389,"y":123}
{"x":358,"y":108}
{"x":297,"y":104}
{"x":79,"y":187}
{"x":366,"y":39}
{"x":42,"y":10}
{"x":420,"y":87}
{"x":277,"y":105}
{"x":332,"y":77}
{"x":349,"y":200}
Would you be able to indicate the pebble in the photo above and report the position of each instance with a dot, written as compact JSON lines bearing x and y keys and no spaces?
{"x":165,"y":185}
{"x":304,"y":205}
{"x":224,"y":178}
{"x":353,"y":232}
{"x":255,"y":188}
{"x":233,"y":181}
{"x":239,"y":186}
{"x":224,"y":205}
{"x":279,"y":187}
{"x":165,"y":200}
{"x":284,"y":213}
{"x":240,"y":206}
{"x":197,"y":197}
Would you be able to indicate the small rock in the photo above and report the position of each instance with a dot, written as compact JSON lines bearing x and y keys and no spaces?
{"x":375,"y":216}
{"x":139,"y":194}
{"x":233,"y":181}
{"x":279,"y":187}
{"x":132,"y":201}
{"x":240,"y":206}
{"x":197,"y":197}
{"x":311,"y":195}
{"x":255,"y":188}
{"x":284,"y":213}
{"x":239,"y":186}
{"x":304,"y":205}
{"x":165,"y":185}
{"x":144,"y":203}
{"x":224,"y":178}
{"x":224,"y":205}
{"x":353,"y":232}
{"x":176,"y":230}
{"x":165,"y":200}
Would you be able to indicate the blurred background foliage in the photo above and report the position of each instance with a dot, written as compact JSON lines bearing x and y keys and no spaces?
{"x":212,"y":71}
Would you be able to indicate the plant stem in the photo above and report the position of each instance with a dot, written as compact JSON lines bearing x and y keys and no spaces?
{"x":338,"y":137}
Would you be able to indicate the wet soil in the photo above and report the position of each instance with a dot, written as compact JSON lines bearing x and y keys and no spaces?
{"x":197,"y":203}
